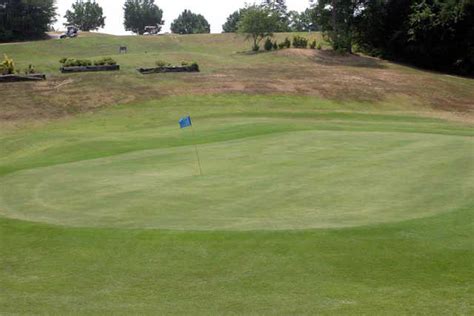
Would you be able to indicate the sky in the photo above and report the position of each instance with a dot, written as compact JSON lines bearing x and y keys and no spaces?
{"x":215,"y":11}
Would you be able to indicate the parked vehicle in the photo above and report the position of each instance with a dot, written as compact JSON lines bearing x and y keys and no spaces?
{"x":72,"y":31}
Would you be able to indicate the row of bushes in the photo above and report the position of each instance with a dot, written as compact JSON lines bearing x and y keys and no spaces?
{"x":298,"y":42}
{"x":161,"y":64}
{"x":72,"y":62}
{"x":7,"y":67}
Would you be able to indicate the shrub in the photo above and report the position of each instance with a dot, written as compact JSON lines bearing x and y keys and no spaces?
{"x":69,"y":62}
{"x":275,"y":45}
{"x":7,"y":67}
{"x":84,"y":62}
{"x":313,"y":44}
{"x":268,"y":44}
{"x":30,"y":70}
{"x":256,"y":48}
{"x":105,"y":61}
{"x":72,"y":62}
{"x":319,"y":47}
{"x":300,"y":42}
{"x":194,"y":66}
{"x":160,"y":63}
{"x":287,"y":43}
{"x":110,"y":61}
{"x":185,"y":63}
{"x":282,"y":45}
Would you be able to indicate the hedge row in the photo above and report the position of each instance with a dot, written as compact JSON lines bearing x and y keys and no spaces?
{"x":298,"y":42}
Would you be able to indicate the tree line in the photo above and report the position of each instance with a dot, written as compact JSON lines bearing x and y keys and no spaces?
{"x":437,"y":34}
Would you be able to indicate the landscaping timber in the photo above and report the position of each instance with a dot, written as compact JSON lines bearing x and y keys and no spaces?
{"x":90,"y":68}
{"x":167,"y":69}
{"x":17,"y":78}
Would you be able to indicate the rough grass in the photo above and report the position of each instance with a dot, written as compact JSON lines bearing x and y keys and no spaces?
{"x":332,"y":184}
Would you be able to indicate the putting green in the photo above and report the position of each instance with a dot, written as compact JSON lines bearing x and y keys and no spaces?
{"x":292,"y":180}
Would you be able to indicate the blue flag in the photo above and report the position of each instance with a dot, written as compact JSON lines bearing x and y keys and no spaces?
{"x":185,"y":122}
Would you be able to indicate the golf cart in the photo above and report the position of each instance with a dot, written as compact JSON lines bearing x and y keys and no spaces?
{"x":152,"y":30}
{"x":71,"y":32}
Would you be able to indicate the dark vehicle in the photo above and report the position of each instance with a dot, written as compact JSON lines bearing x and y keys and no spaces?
{"x":71,"y":32}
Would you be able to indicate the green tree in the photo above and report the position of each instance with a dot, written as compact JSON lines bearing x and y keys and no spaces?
{"x":86,"y":16}
{"x":302,"y":22}
{"x":190,"y":23}
{"x":337,"y":21}
{"x":232,"y":23}
{"x":441,"y":34}
{"x":141,"y":13}
{"x":257,"y":23}
{"x":279,"y":9}
{"x":436,"y":34}
{"x":20,"y":20}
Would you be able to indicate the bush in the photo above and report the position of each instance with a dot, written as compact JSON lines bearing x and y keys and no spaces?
{"x":194,"y":65}
{"x":268,"y":44}
{"x":275,"y":45}
{"x":105,"y":61}
{"x":313,"y":44}
{"x":7,"y":67}
{"x":287,"y":43}
{"x":300,"y":42}
{"x":282,"y":45}
{"x":84,"y":62}
{"x":160,"y":63}
{"x":30,"y":70}
{"x":72,"y":62}
{"x":319,"y":47}
{"x":256,"y":48}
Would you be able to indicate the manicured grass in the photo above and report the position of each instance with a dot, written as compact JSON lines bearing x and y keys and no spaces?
{"x":302,"y":208}
{"x":280,"y":179}
{"x":332,"y":184}
{"x":418,"y":267}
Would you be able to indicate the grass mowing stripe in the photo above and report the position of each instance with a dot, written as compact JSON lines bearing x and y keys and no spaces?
{"x":420,"y":266}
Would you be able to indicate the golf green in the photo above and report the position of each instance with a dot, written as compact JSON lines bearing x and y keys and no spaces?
{"x":275,"y":181}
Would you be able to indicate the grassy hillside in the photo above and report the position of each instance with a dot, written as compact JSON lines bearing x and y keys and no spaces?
{"x":331,"y":184}
{"x":226,"y":68}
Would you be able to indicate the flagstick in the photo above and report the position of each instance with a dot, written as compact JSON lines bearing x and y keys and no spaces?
{"x":197,"y":153}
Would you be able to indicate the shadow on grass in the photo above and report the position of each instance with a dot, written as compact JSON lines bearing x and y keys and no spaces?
{"x":332,"y":58}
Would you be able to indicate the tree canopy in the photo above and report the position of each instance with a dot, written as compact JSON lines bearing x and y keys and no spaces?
{"x":336,"y":18}
{"x":302,"y":22}
{"x":437,"y":34}
{"x":141,"y":13}
{"x":190,"y":23}
{"x":258,"y":23}
{"x":232,"y":23}
{"x":21,"y":20}
{"x":86,"y":16}
{"x":279,"y":10}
